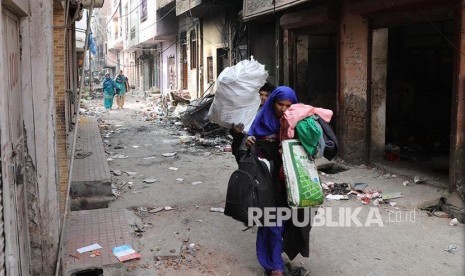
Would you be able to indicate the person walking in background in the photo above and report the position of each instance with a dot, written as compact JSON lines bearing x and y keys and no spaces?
{"x":237,"y":131}
{"x":109,"y":87}
{"x":123,"y":86}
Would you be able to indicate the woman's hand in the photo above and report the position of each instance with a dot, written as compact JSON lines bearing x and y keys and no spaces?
{"x":239,"y":128}
{"x":250,"y":141}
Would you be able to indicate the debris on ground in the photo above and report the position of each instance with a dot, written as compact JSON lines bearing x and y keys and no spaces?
{"x":169,"y":154}
{"x":451,"y":248}
{"x":116,"y":172}
{"x":454,"y":222}
{"x":196,"y":183}
{"x":88,"y":248}
{"x":218,"y":210}
{"x":392,"y":196}
{"x":149,"y":180}
{"x":125,"y":253}
{"x":119,"y":156}
{"x":114,"y":190}
{"x":95,"y":253}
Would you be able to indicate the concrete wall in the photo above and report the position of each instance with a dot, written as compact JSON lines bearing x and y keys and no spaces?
{"x":215,"y":36}
{"x":187,"y":25}
{"x":59,"y":40}
{"x":378,"y":97}
{"x":37,"y":65}
{"x":168,"y":49}
{"x":457,"y":156}
{"x":352,"y":122}
{"x":148,"y":28}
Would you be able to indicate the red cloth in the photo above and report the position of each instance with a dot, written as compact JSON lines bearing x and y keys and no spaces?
{"x":297,"y":112}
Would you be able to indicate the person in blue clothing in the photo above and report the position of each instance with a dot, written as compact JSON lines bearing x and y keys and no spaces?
{"x":274,"y":240}
{"x":123,"y":86}
{"x":109,"y":87}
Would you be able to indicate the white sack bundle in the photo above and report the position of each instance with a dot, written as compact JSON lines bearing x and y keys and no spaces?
{"x":236,"y":98}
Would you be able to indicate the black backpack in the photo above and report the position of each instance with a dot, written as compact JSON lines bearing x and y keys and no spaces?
{"x":332,"y":145}
{"x":249,"y":186}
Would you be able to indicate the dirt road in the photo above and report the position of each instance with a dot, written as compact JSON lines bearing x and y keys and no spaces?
{"x":191,"y":179}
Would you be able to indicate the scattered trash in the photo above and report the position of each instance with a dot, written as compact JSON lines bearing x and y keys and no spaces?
{"x":82,"y":155}
{"x":119,"y":147}
{"x":173,"y":168}
{"x":119,"y":156}
{"x":405,"y":183}
{"x":125,"y":253}
{"x":135,"y":146}
{"x":88,"y":248}
{"x":440,"y":214}
{"x":339,"y":188}
{"x":218,"y":210}
{"x":392,"y":196}
{"x":95,"y":253}
{"x":417,"y":179}
{"x":454,"y":222}
{"x":451,"y":248}
{"x":131,"y":173}
{"x":167,"y":208}
{"x":156,"y":210}
{"x":169,"y":154}
{"x":180,"y":179}
{"x":115,"y":191}
{"x":392,"y":203}
{"x":142,"y":211}
{"x":196,"y":182}
{"x":130,"y":184}
{"x":150,"y":157}
{"x":337,"y":197}
{"x":365,"y":200}
{"x":117,"y":172}
{"x":227,"y":148}
{"x":360,"y":186}
{"x":377,"y":201}
{"x":149,"y":180}
{"x":73,"y":255}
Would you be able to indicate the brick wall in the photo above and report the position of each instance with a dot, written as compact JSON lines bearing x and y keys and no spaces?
{"x":354,"y":86}
{"x":59,"y":43}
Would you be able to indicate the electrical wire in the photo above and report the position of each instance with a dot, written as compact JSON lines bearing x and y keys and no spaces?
{"x":117,"y":8}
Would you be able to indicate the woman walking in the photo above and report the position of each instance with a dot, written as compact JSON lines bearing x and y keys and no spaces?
{"x":273,"y":240}
{"x":109,"y":87}
{"x":123,"y":86}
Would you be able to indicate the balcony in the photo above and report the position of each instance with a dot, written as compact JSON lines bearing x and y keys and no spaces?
{"x":198,"y":8}
{"x":254,"y":8}
{"x":164,"y":3}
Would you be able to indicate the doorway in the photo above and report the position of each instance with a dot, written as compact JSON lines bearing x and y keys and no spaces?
{"x":419,"y":86}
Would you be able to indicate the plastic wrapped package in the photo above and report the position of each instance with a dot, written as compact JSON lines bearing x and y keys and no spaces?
{"x":236,"y":97}
{"x":302,"y":181}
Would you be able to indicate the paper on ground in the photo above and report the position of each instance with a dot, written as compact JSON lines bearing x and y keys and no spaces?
{"x":88,"y":248}
{"x":125,"y":253}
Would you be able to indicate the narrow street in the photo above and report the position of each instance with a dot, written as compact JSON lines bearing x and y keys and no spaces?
{"x":167,"y":202}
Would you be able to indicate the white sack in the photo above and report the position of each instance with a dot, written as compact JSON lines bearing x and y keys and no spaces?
{"x":236,"y":98}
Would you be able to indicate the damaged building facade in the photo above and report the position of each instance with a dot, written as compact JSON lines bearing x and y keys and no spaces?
{"x":39,"y":89}
{"x":392,"y":71}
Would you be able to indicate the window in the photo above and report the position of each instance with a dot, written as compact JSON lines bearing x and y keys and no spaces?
{"x":143,"y":10}
{"x":133,"y":32}
{"x":209,"y":69}
{"x":126,"y":22}
{"x":193,"y":39}
{"x":183,"y":61}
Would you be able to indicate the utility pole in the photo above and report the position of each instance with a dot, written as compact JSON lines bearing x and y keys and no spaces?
{"x":91,"y":78}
